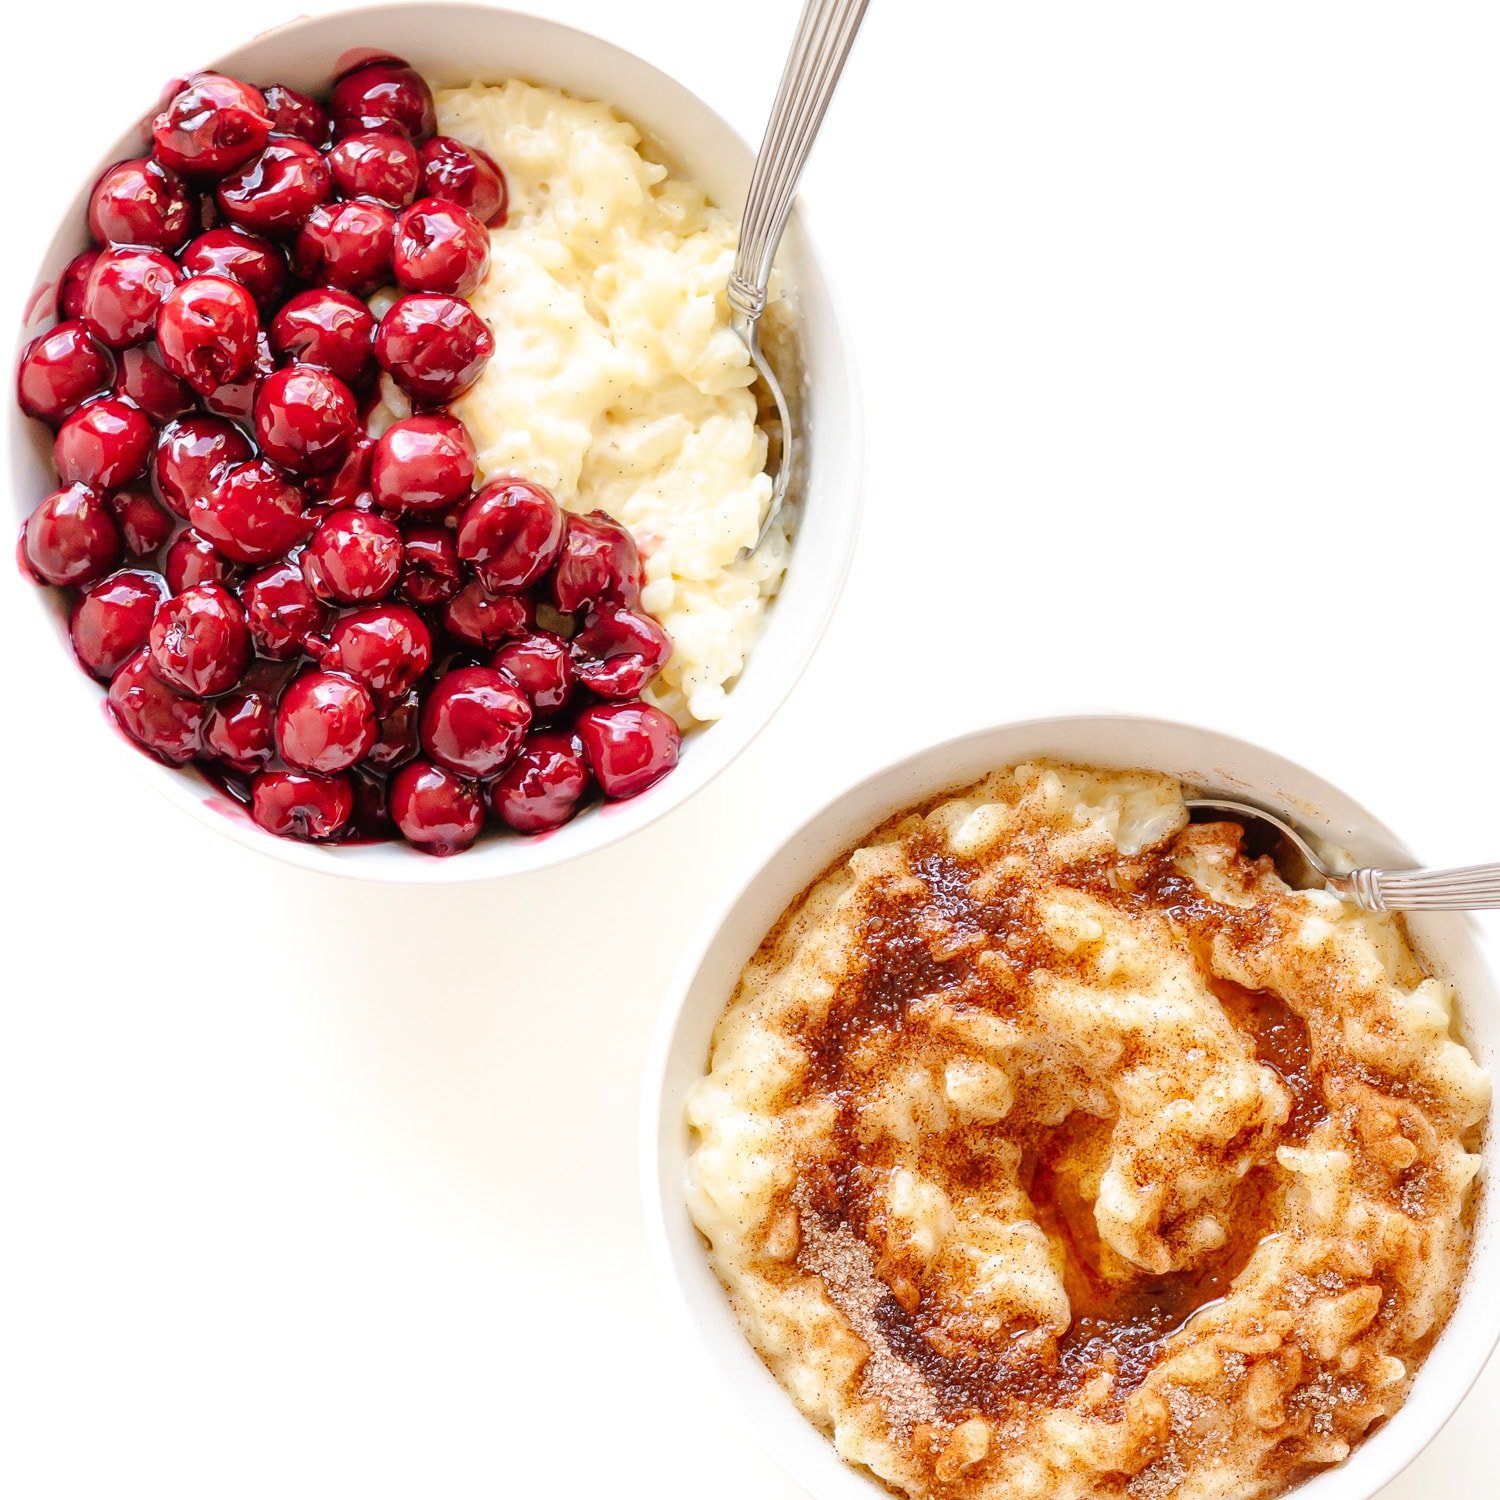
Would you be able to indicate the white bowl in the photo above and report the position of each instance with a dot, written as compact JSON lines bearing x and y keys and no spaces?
{"x":730,"y":936}
{"x":454,"y":45}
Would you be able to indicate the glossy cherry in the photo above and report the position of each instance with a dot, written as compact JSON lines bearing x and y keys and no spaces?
{"x":422,"y":463}
{"x":211,"y":126}
{"x":274,"y":192}
{"x":207,"y":331}
{"x":325,"y":722}
{"x":598,"y":565}
{"x":103,"y":445}
{"x":252,"y":512}
{"x":618,"y":652}
{"x":510,"y":534}
{"x":298,"y":805}
{"x":352,"y":557}
{"x":295,"y":114}
{"x":155,"y":715}
{"x":435,"y":809}
{"x":239,"y":729}
{"x":139,"y":202}
{"x":124,"y":294}
{"x":71,"y":283}
{"x":250,"y":259}
{"x":385,"y":95}
{"x":349,"y":483}
{"x":541,"y":789}
{"x":430,"y":572}
{"x":112,"y":620}
{"x":144,"y":525}
{"x":284,"y":614}
{"x":305,"y":419}
{"x":346,"y":245}
{"x":386,"y":647}
{"x":474,"y":721}
{"x":71,"y":537}
{"x":464,"y":175}
{"x":60,"y":369}
{"x":433,"y":347}
{"x":194,"y":559}
{"x":142,"y":378}
{"x":328,"y":328}
{"x":482,"y":620}
{"x":235,"y":399}
{"x":628,"y":746}
{"x":200,"y":643}
{"x":377,"y":164}
{"x":440,"y":247}
{"x":191,"y":455}
{"x":541,"y":665}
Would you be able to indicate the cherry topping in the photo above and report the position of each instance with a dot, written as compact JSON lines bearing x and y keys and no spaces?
{"x":618,"y":652}
{"x":71,"y":283}
{"x":598,"y":565}
{"x":346,"y":245}
{"x":433,"y":347}
{"x":429,"y":572}
{"x":61,"y":368}
{"x":386,"y":647}
{"x":294,"y":804}
{"x":352,"y":557}
{"x":295,"y":114}
{"x":155,"y":715}
{"x":482,"y":620}
{"x":235,"y":399}
{"x":143,"y":524}
{"x":464,"y":175}
{"x":325,"y":722}
{"x":542,"y":787}
{"x":384,"y":95}
{"x":103,"y":445}
{"x":328,"y":328}
{"x":305,"y":418}
{"x":194,"y":559}
{"x":191,"y":454}
{"x":399,"y":741}
{"x":251,"y":512}
{"x":207,"y":331}
{"x":629,"y":746}
{"x":145,"y":380}
{"x":124,"y":294}
{"x":474,"y":721}
{"x":422,"y":463}
{"x":511,"y":533}
{"x":276,"y":191}
{"x":250,"y":259}
{"x":284,"y":614}
{"x":349,"y":483}
{"x":377,"y":164}
{"x":439,"y":812}
{"x":112,"y":620}
{"x":238,"y":728}
{"x":440,"y":247}
{"x":541,"y":666}
{"x":71,"y":537}
{"x":140,"y":203}
{"x":211,"y":126}
{"x":200,"y":643}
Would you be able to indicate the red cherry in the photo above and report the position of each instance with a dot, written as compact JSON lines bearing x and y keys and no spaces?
{"x":618,"y":652}
{"x":102,"y":445}
{"x":140,"y":203}
{"x":235,"y":399}
{"x":349,"y":483}
{"x":542,"y":787}
{"x":143,"y":524}
{"x":541,"y":666}
{"x":628,"y":746}
{"x":377,"y":164}
{"x":211,"y":126}
{"x":193,"y":559}
{"x":399,"y":741}
{"x":325,"y":722}
{"x":474,"y":721}
{"x":71,"y":538}
{"x":284,"y":614}
{"x":433,"y":347}
{"x":191,"y":454}
{"x":422,"y":463}
{"x":328,"y":328}
{"x":305,"y":419}
{"x":207,"y":331}
{"x":124,"y":294}
{"x":71,"y":283}
{"x":60,"y":369}
{"x":295,"y":114}
{"x":200,"y":643}
{"x":429,"y":572}
{"x":157,"y":717}
{"x":253,"y":261}
{"x":146,"y":381}
{"x":346,"y":245}
{"x":352,"y":557}
{"x":238,"y":729}
{"x":385,"y":95}
{"x":386,"y":647}
{"x":252,"y":512}
{"x":482,"y":620}
{"x":435,"y":810}
{"x":511,"y":534}
{"x":295,"y":805}
{"x":598,"y":565}
{"x":440,"y":247}
{"x":112,"y":620}
{"x":466,"y":176}
{"x":274,"y":192}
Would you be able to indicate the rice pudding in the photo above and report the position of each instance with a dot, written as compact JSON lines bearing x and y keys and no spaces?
{"x":1053,"y":1147}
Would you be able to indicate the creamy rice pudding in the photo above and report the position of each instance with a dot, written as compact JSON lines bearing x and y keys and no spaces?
{"x":1053,"y":1147}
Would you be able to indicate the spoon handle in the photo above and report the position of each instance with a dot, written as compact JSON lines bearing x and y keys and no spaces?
{"x":1472,"y":888}
{"x":824,"y":35}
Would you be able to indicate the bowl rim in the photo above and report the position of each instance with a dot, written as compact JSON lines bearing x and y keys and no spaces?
{"x":830,"y":1475}
{"x":181,"y":786}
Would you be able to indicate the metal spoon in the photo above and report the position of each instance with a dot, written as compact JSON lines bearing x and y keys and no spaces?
{"x":1472,"y":888}
{"x":824,"y":35}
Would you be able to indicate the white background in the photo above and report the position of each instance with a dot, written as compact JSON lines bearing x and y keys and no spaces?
{"x":1180,"y":333}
